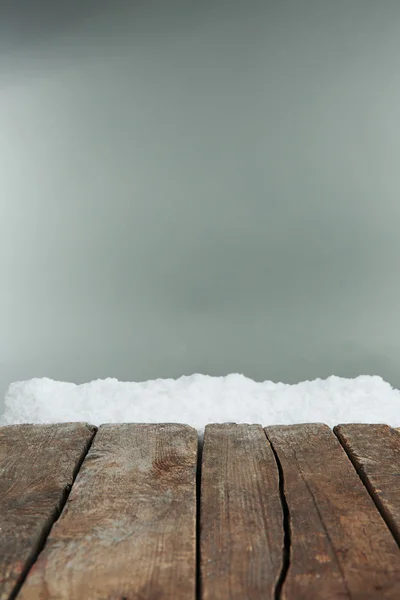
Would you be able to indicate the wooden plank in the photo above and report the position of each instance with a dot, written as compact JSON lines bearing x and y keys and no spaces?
{"x":37,"y":467}
{"x":242,"y":538}
{"x":375,"y":452}
{"x":129,"y":527}
{"x":340,"y":546}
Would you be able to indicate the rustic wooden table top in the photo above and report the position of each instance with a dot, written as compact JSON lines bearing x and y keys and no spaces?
{"x":145,"y":512}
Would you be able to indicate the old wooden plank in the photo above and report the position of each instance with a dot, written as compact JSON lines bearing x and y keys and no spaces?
{"x":340,"y":546}
{"x":37,"y":466}
{"x":129,"y":527}
{"x":375,"y":452}
{"x":241,"y":518}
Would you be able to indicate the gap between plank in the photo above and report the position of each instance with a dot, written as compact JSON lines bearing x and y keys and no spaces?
{"x":287,"y":536}
{"x":198,"y":514}
{"x":369,"y":487}
{"x":52,"y":518}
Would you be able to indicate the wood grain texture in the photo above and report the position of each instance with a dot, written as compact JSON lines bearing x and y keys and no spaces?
{"x":340,"y":546}
{"x":375,"y":452}
{"x":241,"y":518}
{"x":128,"y":530}
{"x":37,"y":467}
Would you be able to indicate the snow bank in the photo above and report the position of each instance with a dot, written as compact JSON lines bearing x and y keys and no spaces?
{"x":200,"y":399}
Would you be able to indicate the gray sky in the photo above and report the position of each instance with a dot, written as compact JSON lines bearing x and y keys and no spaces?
{"x":199,"y":187}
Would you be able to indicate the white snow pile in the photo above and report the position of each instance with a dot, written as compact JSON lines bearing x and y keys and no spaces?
{"x":199,"y":399}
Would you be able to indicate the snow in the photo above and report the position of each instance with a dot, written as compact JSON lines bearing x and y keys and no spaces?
{"x":200,"y":399}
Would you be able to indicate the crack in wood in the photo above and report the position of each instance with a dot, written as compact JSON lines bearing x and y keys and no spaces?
{"x":287,"y":537}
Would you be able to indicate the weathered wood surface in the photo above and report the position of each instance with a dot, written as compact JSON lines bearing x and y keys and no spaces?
{"x":128,"y":530}
{"x":241,"y":518}
{"x":37,"y":466}
{"x":340,"y":546}
{"x":375,"y":452}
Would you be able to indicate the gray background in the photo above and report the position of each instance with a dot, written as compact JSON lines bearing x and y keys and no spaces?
{"x":199,"y":187}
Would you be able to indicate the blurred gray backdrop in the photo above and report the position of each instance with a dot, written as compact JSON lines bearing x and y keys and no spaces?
{"x":199,"y":187}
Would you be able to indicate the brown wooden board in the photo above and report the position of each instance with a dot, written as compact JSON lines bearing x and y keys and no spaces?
{"x":340,"y":546}
{"x":37,"y":467}
{"x":128,"y":530}
{"x":375,"y":452}
{"x":241,"y":518}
